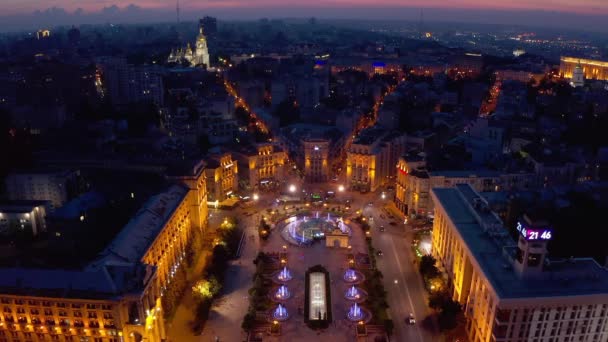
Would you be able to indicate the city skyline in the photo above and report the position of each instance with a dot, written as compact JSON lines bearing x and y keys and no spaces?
{"x":595,"y":7}
{"x":586,"y":15}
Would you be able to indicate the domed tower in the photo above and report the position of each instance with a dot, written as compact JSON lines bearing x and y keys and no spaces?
{"x":201,"y":54}
{"x":578,"y":76}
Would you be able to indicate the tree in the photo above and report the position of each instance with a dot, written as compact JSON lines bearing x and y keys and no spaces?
{"x":427,"y":266}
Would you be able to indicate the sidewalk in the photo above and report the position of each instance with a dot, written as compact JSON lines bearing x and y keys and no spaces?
{"x":228,"y":311}
{"x":179,"y":328}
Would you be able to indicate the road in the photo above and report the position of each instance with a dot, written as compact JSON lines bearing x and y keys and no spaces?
{"x":406,"y":293}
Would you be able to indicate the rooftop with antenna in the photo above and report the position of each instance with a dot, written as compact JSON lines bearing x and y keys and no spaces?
{"x":494,"y":251}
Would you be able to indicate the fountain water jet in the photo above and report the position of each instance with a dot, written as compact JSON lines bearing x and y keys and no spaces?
{"x":355,"y":313}
{"x":284,"y":275}
{"x":282,"y":293}
{"x":280,"y":313}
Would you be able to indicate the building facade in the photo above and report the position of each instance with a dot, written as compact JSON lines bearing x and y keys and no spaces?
{"x":222,"y":177}
{"x":592,"y":69}
{"x":22,"y":216}
{"x":414,"y":184}
{"x":57,"y":187}
{"x":510,"y":290}
{"x":371,"y":159}
{"x":316,"y":163}
{"x":266,"y":164}
{"x":123,"y":84}
{"x":119,"y":296}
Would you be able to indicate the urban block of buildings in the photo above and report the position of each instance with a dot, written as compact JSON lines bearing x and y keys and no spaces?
{"x":511,"y":290}
{"x":117,"y":296}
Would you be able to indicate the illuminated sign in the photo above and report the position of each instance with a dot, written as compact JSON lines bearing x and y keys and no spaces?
{"x":534,"y":233}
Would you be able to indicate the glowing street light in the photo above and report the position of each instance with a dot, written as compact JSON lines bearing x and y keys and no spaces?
{"x":292,"y":188}
{"x":341,"y":188}
{"x":256,"y":197}
{"x":383,"y":195}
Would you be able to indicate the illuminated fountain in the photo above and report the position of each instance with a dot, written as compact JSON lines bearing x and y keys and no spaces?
{"x":352,"y":276}
{"x":282,"y":293}
{"x":284,"y":275}
{"x":355,"y":313}
{"x":280,"y":313}
{"x":304,"y":230}
{"x":355,"y":294}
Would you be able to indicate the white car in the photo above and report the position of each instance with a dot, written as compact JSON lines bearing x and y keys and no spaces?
{"x":411,"y":319}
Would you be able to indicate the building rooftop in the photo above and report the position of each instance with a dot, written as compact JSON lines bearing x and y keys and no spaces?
{"x":20,"y":206}
{"x":465,"y":173}
{"x":135,"y":238}
{"x":492,"y":249}
{"x":370,"y":135}
{"x":106,"y":282}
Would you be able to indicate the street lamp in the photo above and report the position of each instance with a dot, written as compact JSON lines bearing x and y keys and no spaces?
{"x":341,"y":188}
{"x":256,"y":197}
{"x":292,"y":188}
{"x":383,"y":195}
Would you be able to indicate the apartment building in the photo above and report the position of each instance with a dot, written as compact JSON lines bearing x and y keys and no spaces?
{"x":117,"y":296}
{"x":511,"y":290}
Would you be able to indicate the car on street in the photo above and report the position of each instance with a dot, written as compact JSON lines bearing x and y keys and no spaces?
{"x":411,"y":319}
{"x":381,"y":228}
{"x":393,"y":223}
{"x":379,"y":253}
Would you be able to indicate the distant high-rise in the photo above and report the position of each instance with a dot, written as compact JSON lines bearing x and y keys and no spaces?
{"x":209,"y":25}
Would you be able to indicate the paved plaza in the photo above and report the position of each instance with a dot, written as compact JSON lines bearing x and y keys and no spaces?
{"x":407,"y":295}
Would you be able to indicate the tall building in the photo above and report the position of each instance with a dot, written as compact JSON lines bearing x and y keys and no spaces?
{"x":56,"y":187}
{"x":196,"y":58}
{"x":371,"y":159}
{"x":316,"y":163}
{"x":264,"y":165}
{"x":592,"y":69}
{"x":222,"y":177}
{"x":511,"y":290}
{"x":119,"y":296}
{"x":123,"y":83}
